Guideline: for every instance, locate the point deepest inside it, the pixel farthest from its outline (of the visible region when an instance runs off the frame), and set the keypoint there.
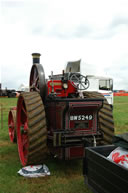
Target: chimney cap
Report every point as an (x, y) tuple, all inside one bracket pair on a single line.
[(36, 55)]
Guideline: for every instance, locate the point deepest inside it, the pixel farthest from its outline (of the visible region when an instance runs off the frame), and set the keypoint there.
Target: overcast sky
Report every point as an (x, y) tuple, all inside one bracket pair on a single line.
[(95, 31)]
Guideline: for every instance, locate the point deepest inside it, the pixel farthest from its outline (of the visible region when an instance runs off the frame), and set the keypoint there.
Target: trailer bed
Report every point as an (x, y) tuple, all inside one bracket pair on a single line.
[(101, 174)]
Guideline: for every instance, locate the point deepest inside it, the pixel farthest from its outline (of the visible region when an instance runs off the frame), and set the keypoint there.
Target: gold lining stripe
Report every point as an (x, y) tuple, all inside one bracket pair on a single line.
[(36, 56), (55, 83)]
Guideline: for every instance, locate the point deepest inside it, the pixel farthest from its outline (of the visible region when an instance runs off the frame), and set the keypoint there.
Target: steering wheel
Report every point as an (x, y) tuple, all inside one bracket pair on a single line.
[(79, 81)]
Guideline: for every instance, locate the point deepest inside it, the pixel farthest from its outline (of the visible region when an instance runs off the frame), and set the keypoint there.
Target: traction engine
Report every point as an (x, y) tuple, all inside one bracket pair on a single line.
[(57, 116)]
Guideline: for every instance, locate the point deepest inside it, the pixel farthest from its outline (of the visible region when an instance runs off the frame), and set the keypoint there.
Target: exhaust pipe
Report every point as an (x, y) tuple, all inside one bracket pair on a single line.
[(36, 58)]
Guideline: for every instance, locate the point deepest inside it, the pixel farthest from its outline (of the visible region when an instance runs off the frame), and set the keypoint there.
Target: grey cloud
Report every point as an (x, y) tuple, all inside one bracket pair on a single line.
[(83, 31), (12, 4), (13, 76), (111, 30), (120, 75), (38, 30), (102, 35), (10, 84), (63, 32), (78, 31), (119, 21), (14, 81)]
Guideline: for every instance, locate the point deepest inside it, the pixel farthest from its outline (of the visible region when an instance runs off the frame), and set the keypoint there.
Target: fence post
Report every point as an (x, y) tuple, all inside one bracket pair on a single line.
[(1, 116)]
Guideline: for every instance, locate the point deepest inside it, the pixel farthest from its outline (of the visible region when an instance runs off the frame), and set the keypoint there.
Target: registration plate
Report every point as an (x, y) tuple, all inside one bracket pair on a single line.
[(81, 117)]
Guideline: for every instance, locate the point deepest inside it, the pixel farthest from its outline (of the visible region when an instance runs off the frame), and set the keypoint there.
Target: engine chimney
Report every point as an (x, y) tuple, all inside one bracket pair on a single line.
[(36, 58)]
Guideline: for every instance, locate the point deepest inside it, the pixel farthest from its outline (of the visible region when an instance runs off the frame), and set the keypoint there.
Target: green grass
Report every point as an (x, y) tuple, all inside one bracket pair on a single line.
[(6, 104), (121, 114), (66, 177)]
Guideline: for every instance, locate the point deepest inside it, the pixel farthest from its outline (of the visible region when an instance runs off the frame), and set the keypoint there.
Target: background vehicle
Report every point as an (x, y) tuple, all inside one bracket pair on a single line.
[(7, 93), (103, 85)]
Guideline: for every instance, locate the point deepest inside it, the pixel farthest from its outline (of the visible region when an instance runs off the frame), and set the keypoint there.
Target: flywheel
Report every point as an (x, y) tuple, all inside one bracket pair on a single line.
[(37, 80), (31, 128), (105, 118)]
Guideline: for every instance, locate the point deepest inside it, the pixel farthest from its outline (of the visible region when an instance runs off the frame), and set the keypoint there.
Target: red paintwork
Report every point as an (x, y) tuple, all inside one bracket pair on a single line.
[(87, 109), (58, 117), (55, 114), (75, 152), (58, 88), (11, 126), (22, 137)]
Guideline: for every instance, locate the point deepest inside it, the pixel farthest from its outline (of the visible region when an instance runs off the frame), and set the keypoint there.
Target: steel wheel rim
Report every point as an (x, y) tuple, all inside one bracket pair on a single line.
[(22, 131)]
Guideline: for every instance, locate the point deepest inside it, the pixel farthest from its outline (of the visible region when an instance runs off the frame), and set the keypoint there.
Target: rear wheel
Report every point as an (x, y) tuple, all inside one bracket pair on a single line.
[(12, 124), (31, 128), (105, 118)]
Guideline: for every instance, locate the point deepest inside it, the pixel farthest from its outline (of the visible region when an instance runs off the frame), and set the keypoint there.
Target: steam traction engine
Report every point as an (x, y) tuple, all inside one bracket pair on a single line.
[(57, 116)]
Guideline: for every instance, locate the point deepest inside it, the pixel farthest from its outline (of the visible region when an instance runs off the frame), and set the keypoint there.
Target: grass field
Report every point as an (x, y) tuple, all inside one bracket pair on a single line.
[(121, 114), (66, 177)]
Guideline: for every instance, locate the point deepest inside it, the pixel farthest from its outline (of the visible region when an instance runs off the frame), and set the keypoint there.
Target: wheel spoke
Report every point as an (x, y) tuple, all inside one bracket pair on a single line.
[(36, 80), (35, 83), (35, 73), (76, 78), (24, 110), (81, 77), (83, 85), (79, 81), (24, 140)]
